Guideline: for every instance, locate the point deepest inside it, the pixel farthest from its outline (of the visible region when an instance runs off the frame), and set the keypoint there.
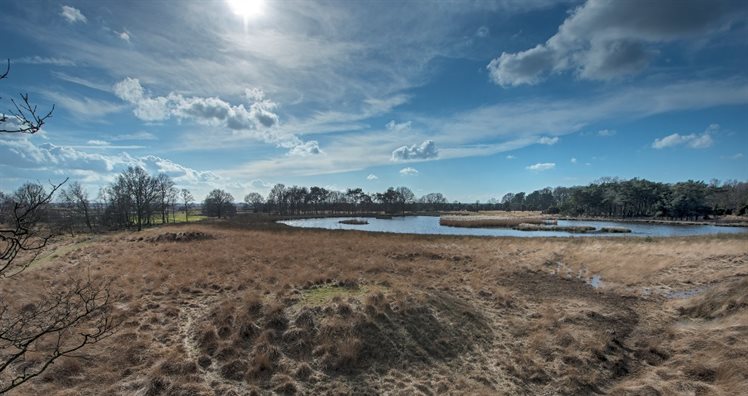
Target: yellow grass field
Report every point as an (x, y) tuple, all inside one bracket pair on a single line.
[(235, 308)]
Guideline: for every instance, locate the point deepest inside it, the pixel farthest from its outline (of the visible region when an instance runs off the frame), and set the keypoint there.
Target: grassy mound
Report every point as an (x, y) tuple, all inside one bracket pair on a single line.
[(719, 302), (331, 330)]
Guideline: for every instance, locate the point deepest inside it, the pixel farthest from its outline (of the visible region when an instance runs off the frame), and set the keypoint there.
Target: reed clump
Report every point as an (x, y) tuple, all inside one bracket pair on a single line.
[(492, 221)]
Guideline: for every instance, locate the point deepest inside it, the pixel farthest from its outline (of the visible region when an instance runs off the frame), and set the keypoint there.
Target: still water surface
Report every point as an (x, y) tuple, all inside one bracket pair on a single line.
[(430, 225)]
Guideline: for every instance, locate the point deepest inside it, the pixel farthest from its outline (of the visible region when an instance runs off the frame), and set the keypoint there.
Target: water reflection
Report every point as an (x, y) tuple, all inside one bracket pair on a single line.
[(430, 225)]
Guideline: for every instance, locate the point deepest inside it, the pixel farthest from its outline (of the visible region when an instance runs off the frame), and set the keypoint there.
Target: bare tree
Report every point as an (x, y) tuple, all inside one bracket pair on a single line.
[(188, 199), (33, 334), (254, 201), (76, 199), (24, 117), (219, 203)]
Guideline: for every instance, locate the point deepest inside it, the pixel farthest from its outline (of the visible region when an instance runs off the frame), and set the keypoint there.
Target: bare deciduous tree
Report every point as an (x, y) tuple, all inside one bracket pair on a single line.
[(76, 199), (33, 334), (24, 117), (188, 199)]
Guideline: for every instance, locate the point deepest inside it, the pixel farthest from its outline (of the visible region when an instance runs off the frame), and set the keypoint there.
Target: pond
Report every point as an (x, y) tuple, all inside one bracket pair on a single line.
[(430, 225)]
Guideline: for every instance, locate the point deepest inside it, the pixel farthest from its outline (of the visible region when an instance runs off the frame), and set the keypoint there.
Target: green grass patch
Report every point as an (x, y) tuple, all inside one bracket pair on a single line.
[(50, 254), (179, 217), (320, 295)]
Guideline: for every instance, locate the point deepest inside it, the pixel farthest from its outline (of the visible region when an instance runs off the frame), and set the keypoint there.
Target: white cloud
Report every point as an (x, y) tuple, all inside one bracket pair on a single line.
[(83, 107), (603, 39), (124, 35), (543, 166), (23, 153), (394, 126), (548, 140), (41, 60), (425, 150), (259, 119), (97, 143), (139, 135), (736, 156), (695, 141), (371, 177), (254, 94), (573, 160), (408, 171), (482, 32), (606, 132), (72, 14), (311, 147), (510, 157)]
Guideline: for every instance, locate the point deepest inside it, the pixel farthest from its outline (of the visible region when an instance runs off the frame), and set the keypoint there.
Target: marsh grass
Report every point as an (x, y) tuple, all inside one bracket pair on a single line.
[(495, 320)]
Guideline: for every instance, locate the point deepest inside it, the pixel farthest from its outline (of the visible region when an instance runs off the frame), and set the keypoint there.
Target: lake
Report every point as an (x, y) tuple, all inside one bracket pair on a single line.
[(430, 225)]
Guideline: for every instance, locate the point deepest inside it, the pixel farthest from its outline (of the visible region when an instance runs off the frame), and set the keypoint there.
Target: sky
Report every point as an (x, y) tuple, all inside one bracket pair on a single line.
[(472, 99)]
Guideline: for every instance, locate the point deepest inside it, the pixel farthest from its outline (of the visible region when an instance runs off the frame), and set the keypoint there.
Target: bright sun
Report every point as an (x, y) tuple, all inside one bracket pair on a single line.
[(247, 8)]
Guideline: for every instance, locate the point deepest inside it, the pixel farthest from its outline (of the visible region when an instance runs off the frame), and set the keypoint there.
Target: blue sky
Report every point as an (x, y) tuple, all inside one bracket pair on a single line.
[(472, 99)]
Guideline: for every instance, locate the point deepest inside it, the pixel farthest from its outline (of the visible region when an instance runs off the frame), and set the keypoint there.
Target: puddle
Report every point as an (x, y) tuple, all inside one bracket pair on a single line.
[(674, 295), (596, 281)]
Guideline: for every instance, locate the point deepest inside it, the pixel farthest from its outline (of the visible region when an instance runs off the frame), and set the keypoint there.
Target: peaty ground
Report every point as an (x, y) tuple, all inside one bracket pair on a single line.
[(234, 309)]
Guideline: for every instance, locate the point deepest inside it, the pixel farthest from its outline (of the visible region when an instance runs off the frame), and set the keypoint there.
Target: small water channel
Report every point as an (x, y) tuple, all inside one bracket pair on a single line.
[(430, 225)]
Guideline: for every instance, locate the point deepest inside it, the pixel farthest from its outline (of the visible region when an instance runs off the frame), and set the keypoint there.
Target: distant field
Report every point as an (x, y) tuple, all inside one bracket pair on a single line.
[(179, 217), (258, 307)]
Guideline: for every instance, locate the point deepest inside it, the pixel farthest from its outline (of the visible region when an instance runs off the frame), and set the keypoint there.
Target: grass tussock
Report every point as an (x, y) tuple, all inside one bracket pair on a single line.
[(492, 221), (544, 227), (354, 221)]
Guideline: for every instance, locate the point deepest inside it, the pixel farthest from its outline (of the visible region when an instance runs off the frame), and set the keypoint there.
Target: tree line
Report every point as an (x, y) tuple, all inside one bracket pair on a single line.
[(136, 199), (610, 197)]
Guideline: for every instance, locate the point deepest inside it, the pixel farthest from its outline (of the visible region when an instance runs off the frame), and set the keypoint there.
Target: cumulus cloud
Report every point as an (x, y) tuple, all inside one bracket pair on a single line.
[(371, 177), (259, 117), (548, 140), (72, 14), (541, 166), (309, 148), (425, 150), (210, 110), (605, 39), (408, 171), (124, 35), (693, 140), (399, 127)]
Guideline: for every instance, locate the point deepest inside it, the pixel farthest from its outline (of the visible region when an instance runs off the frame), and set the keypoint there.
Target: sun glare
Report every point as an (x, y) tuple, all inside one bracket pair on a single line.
[(247, 9)]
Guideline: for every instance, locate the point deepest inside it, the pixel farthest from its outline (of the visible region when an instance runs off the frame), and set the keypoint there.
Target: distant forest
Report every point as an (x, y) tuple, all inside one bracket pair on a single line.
[(607, 197), (136, 199)]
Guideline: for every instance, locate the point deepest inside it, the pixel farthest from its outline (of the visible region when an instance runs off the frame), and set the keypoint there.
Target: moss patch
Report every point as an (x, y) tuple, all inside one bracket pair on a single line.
[(319, 295)]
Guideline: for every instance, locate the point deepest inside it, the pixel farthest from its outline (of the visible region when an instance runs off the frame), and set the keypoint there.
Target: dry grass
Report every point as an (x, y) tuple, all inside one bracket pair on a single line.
[(316, 312)]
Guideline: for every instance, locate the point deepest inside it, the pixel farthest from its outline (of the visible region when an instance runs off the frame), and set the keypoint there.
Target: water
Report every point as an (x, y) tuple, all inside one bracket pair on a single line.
[(430, 225)]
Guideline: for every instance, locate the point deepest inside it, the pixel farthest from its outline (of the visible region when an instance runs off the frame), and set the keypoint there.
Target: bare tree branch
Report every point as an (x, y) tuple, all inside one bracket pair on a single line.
[(25, 117)]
